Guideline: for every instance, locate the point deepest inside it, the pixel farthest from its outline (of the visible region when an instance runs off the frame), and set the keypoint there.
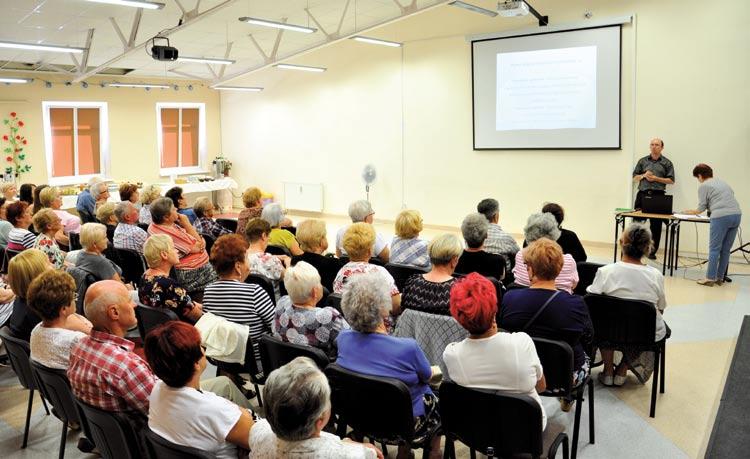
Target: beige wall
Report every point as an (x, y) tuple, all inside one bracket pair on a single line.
[(685, 70), (134, 153)]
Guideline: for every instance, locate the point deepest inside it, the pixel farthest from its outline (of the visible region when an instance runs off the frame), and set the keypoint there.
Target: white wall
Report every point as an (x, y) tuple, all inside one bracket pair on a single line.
[(408, 111)]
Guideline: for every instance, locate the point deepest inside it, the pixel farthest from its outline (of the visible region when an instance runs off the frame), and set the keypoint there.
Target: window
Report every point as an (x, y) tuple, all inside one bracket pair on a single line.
[(181, 136), (77, 141)]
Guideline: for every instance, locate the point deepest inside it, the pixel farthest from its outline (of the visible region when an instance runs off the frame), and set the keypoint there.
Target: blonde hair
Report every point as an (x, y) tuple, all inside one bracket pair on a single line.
[(91, 233), (444, 248), (310, 233), (105, 212), (545, 258), (43, 219), (48, 195), (251, 196), (5, 186), (358, 241), (150, 194), (24, 268), (408, 224), (154, 247)]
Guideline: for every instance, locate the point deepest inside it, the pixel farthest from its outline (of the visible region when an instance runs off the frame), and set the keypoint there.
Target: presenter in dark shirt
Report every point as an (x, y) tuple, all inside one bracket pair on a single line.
[(653, 173)]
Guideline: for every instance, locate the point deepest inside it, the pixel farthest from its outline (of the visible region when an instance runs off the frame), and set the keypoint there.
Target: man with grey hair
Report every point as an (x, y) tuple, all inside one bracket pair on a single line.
[(128, 235), (361, 211), (498, 241), (86, 202), (297, 407), (474, 229)]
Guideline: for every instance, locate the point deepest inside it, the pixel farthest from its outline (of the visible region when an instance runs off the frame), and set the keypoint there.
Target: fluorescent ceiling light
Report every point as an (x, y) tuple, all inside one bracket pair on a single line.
[(137, 85), (305, 68), (474, 8), (278, 25), (206, 60), (377, 41), (238, 88), (36, 47), (15, 80), (133, 3)]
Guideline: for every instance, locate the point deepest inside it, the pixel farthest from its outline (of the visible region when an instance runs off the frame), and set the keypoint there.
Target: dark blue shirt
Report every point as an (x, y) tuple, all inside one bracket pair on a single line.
[(190, 213), (86, 202)]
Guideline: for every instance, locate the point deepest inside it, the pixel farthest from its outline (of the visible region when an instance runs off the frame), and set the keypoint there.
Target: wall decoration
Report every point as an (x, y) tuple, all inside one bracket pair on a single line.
[(14, 146)]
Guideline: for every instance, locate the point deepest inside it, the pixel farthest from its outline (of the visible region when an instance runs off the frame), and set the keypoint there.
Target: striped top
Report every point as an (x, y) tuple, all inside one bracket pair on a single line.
[(411, 252), (20, 239), (246, 304), (566, 280)]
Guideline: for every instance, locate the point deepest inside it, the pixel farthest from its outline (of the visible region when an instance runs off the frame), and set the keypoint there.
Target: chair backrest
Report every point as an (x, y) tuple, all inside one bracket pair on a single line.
[(503, 424), (83, 279), (586, 273), (556, 358), (620, 322), (373, 260), (74, 240), (433, 332), (275, 353), (209, 239), (228, 223), (133, 265), (18, 353), (54, 385), (499, 289), (112, 432), (149, 317), (401, 273), (359, 400), (7, 256), (86, 216), (278, 250), (251, 366), (334, 301), (143, 226), (161, 448), (263, 281)]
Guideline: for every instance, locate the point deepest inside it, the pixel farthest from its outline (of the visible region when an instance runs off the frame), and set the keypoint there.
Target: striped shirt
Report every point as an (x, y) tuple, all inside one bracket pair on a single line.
[(500, 243), (246, 304), (411, 252), (144, 215), (184, 243), (20, 239), (566, 280)]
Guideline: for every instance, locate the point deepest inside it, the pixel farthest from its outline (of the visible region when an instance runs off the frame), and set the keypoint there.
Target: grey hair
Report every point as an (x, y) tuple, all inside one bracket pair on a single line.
[(474, 229), (359, 210), (96, 309), (94, 180), (637, 240), (299, 281), (297, 395), (160, 209), (201, 205), (273, 214), (96, 189), (541, 225), (366, 299), (121, 210), (489, 208)]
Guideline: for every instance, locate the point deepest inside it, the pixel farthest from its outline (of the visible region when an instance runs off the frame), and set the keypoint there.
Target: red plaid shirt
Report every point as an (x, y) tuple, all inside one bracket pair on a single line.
[(106, 373)]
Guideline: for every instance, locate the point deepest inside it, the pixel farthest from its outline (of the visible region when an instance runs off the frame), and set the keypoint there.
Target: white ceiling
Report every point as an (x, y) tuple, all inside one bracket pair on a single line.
[(66, 22)]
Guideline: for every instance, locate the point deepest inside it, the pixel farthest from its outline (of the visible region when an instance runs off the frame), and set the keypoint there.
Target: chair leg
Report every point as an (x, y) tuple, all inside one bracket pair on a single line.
[(577, 423), (654, 384), (385, 448), (28, 419), (257, 393), (426, 448), (448, 450), (44, 403), (472, 453), (663, 364), (62, 439), (566, 447), (591, 411)]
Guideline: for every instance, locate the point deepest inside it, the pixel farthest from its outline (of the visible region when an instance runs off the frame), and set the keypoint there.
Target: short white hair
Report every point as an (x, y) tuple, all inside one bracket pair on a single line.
[(97, 189), (366, 299), (300, 280), (541, 225), (359, 210), (273, 214)]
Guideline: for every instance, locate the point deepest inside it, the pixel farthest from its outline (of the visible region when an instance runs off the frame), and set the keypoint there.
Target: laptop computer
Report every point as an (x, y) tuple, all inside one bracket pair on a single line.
[(657, 204)]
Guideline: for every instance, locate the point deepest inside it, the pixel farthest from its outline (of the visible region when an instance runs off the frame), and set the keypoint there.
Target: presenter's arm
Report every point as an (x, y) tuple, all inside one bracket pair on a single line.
[(664, 180)]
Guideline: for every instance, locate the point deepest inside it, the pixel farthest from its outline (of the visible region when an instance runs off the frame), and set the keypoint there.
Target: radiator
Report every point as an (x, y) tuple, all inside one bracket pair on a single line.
[(303, 196)]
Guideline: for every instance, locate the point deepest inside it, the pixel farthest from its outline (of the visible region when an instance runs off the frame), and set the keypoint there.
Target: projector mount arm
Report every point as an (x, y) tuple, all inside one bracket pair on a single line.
[(543, 20)]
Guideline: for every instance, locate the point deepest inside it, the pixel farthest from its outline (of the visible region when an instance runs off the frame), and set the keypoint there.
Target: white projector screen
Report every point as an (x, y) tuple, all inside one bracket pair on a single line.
[(554, 90)]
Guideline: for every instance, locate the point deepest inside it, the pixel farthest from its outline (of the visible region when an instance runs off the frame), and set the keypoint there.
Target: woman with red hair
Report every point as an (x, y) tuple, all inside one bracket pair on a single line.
[(489, 359)]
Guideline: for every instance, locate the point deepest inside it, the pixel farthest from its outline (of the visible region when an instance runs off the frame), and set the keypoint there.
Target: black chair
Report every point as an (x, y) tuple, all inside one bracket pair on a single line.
[(353, 397), (113, 432), (291, 229), (83, 279), (209, 239), (557, 360), (401, 273), (514, 286), (623, 323), (161, 448), (18, 352), (235, 370), (7, 256), (586, 274), (133, 265), (507, 425), (499, 290), (373, 260), (86, 216), (55, 387), (263, 281), (149, 318), (275, 353), (143, 226), (74, 240), (278, 250), (228, 223), (334, 301)]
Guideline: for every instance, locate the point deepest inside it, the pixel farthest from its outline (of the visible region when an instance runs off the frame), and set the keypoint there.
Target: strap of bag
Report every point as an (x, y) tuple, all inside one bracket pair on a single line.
[(540, 310)]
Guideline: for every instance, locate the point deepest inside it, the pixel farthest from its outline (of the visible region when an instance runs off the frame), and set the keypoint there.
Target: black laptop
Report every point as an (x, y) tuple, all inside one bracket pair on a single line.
[(657, 204)]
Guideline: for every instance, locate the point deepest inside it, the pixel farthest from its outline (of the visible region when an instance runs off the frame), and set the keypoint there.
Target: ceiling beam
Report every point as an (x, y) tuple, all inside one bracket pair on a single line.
[(134, 27), (226, 56), (187, 75), (85, 58), (119, 33)]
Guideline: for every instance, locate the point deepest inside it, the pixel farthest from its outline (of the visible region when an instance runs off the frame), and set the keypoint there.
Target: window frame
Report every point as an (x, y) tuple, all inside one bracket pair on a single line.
[(202, 141), (104, 157)]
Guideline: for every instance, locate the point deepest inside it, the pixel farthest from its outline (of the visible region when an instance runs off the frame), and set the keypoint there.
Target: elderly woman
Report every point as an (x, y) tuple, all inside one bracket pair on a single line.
[(150, 194), (298, 407), (488, 358), (368, 349), (193, 271), (20, 238), (474, 259), (179, 201), (544, 226), (179, 410), (157, 289), (8, 191), (37, 205), (271, 267), (546, 312), (48, 224), (716, 197), (406, 247), (52, 297), (313, 241), (568, 240), (26, 193), (298, 320), (430, 292), (631, 279), (253, 208), (52, 198), (91, 259), (5, 225), (205, 223), (105, 214), (129, 192), (361, 211), (274, 215)]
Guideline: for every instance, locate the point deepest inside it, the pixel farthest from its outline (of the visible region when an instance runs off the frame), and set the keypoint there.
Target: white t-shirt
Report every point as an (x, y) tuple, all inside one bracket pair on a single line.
[(505, 362), (633, 282), (265, 445), (189, 417), (51, 346), (380, 242)]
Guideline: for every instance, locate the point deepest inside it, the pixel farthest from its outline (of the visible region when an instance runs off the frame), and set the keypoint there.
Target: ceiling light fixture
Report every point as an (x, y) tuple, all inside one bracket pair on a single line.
[(133, 3), (206, 60), (474, 8), (137, 85), (377, 41), (304, 68), (37, 47), (15, 80), (238, 88), (277, 25)]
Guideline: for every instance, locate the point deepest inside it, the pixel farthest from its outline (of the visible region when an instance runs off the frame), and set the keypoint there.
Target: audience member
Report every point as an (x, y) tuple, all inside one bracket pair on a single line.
[(298, 320), (179, 201), (20, 238), (86, 201), (271, 267), (498, 241), (5, 225), (313, 241), (91, 259), (105, 214), (406, 247), (51, 197), (37, 205), (430, 292), (26, 193), (274, 215), (100, 193), (361, 212), (205, 223), (544, 226), (128, 235), (48, 224), (631, 279), (474, 258), (488, 359), (568, 240), (253, 208), (298, 407), (150, 194), (129, 192), (8, 191)]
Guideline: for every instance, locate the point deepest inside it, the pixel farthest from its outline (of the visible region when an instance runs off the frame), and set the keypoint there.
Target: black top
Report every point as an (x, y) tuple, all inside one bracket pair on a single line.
[(426, 296), (484, 263), (22, 320), (570, 243), (327, 267), (661, 167)]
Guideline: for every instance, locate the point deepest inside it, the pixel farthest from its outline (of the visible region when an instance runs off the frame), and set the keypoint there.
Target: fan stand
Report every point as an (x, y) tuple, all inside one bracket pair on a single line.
[(367, 190)]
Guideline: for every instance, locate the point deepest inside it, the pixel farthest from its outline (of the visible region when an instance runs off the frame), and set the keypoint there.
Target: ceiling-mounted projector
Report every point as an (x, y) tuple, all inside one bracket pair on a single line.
[(512, 8), (161, 52)]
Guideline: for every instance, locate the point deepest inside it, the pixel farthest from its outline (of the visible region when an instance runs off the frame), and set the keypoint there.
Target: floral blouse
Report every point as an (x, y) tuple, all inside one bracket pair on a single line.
[(360, 267), (317, 327), (165, 292), (50, 248), (268, 266)]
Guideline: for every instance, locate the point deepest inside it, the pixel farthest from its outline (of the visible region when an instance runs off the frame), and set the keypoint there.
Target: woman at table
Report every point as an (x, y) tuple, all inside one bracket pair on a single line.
[(716, 197)]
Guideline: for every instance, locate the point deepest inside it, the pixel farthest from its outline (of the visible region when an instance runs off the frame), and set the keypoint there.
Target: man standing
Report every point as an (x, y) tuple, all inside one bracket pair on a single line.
[(653, 173)]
